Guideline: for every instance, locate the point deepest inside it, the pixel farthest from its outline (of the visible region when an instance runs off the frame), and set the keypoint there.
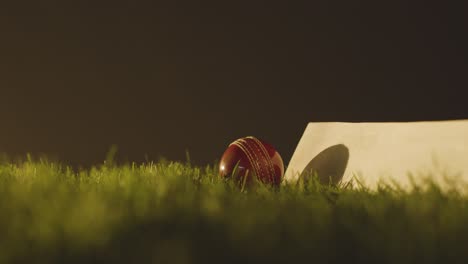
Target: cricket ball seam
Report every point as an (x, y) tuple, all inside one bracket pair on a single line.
[(255, 157), (267, 156), (258, 159), (246, 152)]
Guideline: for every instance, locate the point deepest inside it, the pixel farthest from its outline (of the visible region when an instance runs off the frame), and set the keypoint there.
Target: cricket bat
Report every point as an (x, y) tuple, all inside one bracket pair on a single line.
[(402, 153)]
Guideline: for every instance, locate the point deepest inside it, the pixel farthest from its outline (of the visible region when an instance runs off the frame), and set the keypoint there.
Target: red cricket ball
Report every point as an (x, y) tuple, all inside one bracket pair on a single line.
[(250, 156)]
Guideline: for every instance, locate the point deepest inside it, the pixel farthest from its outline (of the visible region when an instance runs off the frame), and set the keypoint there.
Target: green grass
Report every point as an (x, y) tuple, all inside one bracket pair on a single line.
[(169, 212)]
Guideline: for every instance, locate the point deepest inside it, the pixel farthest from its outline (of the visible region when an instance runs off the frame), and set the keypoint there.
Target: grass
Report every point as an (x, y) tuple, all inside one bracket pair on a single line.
[(170, 212)]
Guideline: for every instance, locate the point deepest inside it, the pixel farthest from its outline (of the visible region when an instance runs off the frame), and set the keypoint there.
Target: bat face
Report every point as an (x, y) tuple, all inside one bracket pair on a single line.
[(329, 165), (382, 151)]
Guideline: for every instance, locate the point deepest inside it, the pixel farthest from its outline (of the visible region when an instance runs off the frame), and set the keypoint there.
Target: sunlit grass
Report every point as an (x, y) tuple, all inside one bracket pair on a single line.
[(170, 212)]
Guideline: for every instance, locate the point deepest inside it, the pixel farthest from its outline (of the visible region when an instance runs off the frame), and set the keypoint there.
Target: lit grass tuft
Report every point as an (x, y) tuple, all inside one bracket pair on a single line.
[(170, 212)]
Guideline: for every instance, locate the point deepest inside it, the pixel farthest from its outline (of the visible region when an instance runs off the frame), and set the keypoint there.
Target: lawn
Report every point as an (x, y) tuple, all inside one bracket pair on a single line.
[(171, 212)]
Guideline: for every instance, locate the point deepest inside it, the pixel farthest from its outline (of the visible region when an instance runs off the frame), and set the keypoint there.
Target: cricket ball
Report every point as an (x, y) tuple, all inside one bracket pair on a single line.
[(248, 158)]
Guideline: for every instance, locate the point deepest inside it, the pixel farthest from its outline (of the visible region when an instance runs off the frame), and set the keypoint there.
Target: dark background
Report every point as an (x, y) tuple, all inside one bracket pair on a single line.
[(159, 78)]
